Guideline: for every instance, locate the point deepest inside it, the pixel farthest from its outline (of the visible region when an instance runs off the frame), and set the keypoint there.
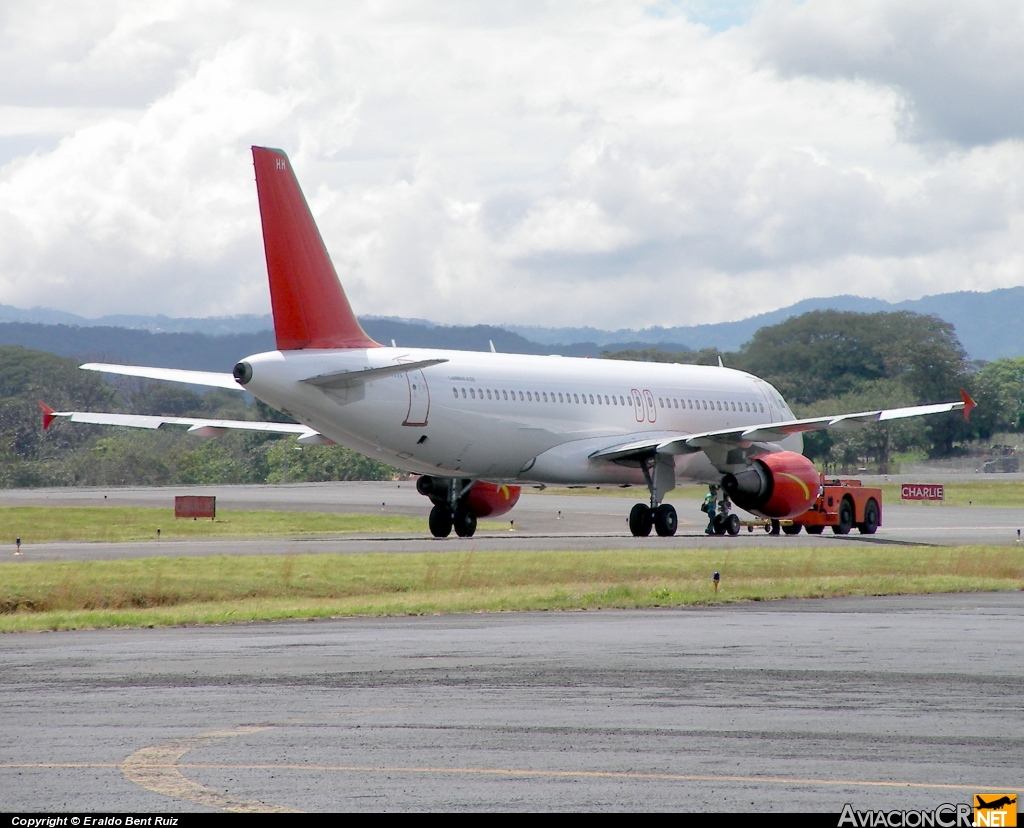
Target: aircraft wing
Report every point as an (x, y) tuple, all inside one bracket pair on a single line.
[(169, 374), (196, 425), (765, 436)]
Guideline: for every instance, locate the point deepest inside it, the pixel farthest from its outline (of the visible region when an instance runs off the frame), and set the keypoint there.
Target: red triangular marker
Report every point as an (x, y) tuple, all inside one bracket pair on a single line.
[(48, 415), (969, 404)]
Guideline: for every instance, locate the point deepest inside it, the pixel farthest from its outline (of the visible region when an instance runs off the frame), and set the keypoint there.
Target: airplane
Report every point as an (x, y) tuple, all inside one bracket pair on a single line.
[(995, 804), (478, 426)]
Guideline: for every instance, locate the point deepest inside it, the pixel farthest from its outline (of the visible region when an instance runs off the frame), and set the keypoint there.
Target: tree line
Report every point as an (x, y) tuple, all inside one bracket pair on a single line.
[(84, 455)]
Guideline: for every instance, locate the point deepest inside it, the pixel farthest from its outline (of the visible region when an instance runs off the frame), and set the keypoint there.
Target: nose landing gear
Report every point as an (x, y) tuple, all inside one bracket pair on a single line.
[(721, 520)]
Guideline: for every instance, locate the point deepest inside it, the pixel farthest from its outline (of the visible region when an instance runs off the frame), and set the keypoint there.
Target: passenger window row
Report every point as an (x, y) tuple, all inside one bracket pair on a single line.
[(537, 396), (664, 402), (714, 405)]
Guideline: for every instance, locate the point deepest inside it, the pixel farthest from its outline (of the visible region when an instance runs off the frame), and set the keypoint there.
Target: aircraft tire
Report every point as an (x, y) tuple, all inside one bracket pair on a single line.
[(815, 530), (720, 524), (732, 525), (641, 520), (465, 522), (666, 521), (792, 529), (773, 528), (440, 522)]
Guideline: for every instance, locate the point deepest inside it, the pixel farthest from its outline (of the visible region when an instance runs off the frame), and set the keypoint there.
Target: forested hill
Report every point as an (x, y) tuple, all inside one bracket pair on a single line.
[(197, 352), (202, 352)]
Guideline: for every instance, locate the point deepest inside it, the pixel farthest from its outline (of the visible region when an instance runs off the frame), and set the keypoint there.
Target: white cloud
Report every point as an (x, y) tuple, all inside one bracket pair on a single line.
[(591, 164), (959, 65)]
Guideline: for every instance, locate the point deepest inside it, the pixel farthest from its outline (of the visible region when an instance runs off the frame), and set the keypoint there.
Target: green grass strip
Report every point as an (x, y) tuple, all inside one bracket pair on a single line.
[(168, 591), (1009, 493)]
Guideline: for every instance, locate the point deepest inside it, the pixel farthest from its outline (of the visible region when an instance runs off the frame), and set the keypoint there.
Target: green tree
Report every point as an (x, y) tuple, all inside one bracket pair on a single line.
[(826, 354), (873, 444), (999, 391), (706, 356)]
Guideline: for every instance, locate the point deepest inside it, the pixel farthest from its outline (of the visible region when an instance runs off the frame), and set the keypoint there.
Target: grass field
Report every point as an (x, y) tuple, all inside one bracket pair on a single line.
[(1009, 494), (38, 524), (213, 590)]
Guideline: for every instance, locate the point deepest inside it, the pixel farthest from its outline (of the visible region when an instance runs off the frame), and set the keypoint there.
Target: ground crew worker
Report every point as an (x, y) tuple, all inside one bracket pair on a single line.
[(709, 507)]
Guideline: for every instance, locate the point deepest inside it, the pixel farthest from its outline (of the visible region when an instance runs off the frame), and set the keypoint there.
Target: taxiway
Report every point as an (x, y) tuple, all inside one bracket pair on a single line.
[(890, 703)]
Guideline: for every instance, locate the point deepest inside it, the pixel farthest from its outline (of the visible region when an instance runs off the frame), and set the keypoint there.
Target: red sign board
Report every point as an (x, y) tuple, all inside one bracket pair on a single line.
[(922, 491), (192, 506)]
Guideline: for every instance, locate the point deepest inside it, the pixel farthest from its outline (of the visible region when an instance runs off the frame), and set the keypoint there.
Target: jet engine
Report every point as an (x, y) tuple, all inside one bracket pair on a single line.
[(491, 499), (485, 499), (781, 485)]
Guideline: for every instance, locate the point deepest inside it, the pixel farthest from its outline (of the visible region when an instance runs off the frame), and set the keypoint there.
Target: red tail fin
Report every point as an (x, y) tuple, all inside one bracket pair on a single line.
[(310, 307)]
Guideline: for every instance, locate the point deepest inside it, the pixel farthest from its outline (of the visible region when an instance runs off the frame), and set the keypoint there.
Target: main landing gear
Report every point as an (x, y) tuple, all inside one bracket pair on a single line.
[(662, 517), (450, 508)]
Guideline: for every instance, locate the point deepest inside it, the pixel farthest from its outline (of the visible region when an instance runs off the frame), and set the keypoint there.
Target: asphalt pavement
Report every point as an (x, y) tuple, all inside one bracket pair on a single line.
[(884, 703), (540, 521)]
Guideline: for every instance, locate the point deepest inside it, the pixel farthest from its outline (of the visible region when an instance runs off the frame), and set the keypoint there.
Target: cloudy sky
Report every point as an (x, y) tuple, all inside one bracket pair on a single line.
[(609, 164)]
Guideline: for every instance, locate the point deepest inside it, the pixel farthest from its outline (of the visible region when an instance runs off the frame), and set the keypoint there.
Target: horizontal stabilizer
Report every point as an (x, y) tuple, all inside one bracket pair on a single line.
[(209, 378), (347, 379)]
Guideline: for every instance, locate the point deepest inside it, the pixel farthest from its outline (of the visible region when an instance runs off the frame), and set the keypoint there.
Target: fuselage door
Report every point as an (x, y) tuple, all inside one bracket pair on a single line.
[(638, 406), (419, 399), (652, 412), (769, 401)]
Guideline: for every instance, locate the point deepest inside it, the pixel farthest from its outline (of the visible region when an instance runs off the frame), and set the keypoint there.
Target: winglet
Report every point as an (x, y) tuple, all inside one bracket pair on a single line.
[(48, 415), (969, 404)]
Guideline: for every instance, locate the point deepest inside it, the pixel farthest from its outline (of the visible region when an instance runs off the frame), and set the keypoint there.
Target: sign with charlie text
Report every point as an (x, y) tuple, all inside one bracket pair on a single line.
[(193, 506), (922, 491)]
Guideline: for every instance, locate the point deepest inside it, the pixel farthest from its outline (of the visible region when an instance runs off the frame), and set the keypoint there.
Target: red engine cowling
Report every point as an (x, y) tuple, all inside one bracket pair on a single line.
[(781, 485), (492, 500)]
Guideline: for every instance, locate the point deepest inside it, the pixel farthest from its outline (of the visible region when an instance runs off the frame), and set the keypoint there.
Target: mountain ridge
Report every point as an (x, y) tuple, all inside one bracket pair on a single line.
[(988, 324)]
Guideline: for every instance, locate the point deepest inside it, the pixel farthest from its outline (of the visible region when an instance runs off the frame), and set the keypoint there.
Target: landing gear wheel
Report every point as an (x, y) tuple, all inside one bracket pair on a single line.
[(845, 518), (666, 521), (732, 525), (772, 527), (792, 529), (640, 520), (440, 522), (870, 524), (720, 524), (465, 522), (815, 530)]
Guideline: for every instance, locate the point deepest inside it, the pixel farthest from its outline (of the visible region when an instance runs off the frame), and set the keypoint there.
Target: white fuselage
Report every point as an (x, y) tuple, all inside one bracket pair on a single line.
[(511, 417)]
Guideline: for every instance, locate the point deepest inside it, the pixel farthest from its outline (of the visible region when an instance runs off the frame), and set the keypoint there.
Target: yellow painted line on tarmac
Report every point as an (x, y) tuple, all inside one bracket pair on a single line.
[(156, 768), (671, 777), (515, 772)]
